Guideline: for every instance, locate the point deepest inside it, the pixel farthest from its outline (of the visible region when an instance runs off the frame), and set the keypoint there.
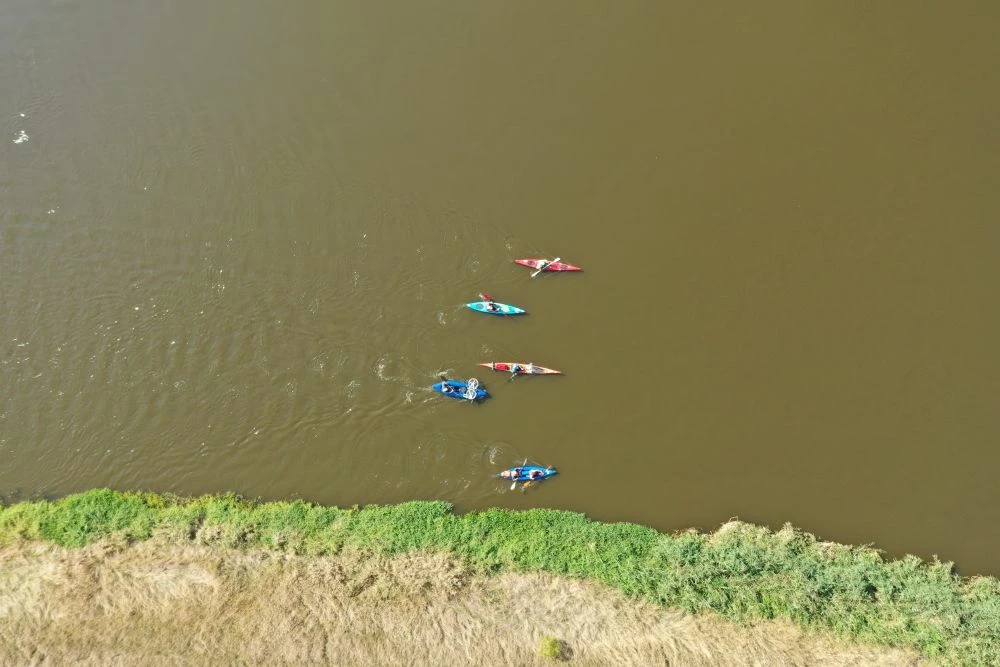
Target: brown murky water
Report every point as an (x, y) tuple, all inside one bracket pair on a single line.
[(236, 237)]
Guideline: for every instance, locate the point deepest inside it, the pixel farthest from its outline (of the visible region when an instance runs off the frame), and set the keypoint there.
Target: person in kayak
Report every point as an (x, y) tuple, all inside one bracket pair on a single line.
[(535, 474), (515, 369), (513, 473), (447, 388), (490, 306)]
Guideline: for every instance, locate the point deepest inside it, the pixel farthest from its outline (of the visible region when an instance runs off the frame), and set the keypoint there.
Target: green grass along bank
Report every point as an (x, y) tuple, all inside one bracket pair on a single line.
[(741, 572)]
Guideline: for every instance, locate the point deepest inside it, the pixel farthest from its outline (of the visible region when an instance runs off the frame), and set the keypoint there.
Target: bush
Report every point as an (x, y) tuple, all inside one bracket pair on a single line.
[(556, 649), (549, 647)]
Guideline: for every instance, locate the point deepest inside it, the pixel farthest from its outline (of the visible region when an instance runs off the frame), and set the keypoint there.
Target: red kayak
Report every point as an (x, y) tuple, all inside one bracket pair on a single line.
[(552, 266), (522, 368)]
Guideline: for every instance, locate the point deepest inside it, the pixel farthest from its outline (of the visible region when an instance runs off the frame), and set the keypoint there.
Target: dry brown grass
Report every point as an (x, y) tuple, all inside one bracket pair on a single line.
[(160, 603)]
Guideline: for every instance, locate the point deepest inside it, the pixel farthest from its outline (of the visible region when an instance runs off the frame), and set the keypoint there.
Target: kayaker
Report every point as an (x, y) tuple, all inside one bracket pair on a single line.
[(535, 474), (515, 369), (446, 388), (530, 369), (490, 306)]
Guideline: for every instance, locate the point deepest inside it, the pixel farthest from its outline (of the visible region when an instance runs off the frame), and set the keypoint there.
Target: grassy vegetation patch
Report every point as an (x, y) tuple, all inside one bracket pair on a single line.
[(741, 572)]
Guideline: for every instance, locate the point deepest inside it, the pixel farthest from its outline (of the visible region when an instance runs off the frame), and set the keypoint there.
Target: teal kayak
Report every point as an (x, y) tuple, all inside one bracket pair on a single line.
[(498, 308)]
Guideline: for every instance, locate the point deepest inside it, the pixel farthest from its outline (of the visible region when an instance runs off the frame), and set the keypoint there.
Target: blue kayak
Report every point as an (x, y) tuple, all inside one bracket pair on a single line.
[(523, 473), (458, 390), (501, 308)]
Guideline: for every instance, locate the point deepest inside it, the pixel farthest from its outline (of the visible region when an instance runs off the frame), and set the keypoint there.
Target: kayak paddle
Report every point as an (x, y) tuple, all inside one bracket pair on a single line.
[(544, 266)]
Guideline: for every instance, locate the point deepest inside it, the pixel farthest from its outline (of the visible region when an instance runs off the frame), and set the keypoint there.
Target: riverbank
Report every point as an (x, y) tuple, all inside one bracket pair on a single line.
[(130, 575)]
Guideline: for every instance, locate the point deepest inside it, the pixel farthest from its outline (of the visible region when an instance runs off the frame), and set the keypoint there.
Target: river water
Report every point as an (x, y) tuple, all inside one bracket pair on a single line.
[(236, 237)]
